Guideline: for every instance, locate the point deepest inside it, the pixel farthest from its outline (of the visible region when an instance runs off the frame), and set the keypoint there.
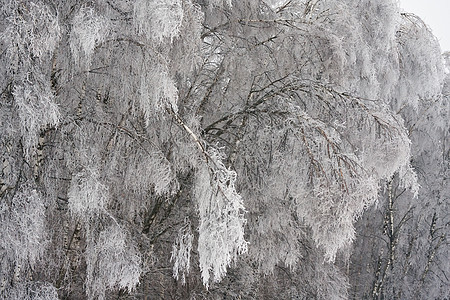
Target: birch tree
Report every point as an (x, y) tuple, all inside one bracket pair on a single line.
[(402, 246), (188, 149)]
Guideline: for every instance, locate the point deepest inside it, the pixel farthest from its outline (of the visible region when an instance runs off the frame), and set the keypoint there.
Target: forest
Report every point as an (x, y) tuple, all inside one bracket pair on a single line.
[(222, 149)]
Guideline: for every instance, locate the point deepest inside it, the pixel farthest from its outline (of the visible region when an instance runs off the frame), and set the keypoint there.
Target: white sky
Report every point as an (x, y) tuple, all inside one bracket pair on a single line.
[(436, 14)]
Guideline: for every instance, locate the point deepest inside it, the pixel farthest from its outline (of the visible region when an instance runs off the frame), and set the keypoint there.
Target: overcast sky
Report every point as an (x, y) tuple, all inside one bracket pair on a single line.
[(436, 14)]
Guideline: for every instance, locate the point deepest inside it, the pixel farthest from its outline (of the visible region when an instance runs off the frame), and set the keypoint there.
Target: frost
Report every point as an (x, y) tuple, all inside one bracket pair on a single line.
[(158, 19), (158, 92), (303, 103), (31, 36), (88, 30), (181, 252), (87, 195), (408, 179), (37, 110), (23, 227), (271, 236), (388, 148), (420, 78), (332, 211), (32, 291), (37, 31), (151, 170), (111, 263), (221, 212)]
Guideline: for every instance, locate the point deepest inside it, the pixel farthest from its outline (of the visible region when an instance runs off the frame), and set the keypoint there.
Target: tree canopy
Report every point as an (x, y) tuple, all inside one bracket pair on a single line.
[(222, 149)]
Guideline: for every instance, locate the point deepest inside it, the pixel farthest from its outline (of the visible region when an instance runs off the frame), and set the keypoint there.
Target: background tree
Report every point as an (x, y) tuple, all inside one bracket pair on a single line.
[(229, 144), (402, 246)]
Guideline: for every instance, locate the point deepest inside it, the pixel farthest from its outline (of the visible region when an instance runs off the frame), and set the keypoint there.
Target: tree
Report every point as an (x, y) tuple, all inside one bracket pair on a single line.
[(216, 142), (402, 246)]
